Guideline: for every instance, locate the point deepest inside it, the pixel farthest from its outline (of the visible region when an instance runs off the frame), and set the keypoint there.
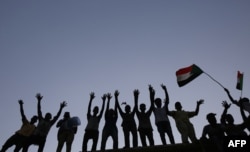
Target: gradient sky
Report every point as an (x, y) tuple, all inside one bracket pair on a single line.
[(67, 49)]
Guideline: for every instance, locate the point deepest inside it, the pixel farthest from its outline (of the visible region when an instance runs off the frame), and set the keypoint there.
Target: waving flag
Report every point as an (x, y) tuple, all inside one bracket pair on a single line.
[(239, 84), (187, 74)]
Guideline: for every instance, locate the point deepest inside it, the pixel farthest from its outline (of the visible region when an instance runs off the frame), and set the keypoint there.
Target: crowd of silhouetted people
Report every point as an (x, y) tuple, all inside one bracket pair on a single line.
[(214, 132)]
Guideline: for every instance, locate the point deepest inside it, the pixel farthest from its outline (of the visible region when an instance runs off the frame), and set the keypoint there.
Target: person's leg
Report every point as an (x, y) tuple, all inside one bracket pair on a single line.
[(169, 132), (61, 140), (150, 138), (143, 137), (135, 138), (95, 140), (191, 134), (86, 138), (126, 137), (161, 132), (41, 144), (69, 141), (10, 142), (105, 135), (115, 138)]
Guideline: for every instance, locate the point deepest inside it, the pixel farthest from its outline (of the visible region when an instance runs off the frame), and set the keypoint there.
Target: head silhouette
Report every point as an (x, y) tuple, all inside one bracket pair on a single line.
[(33, 119), (127, 108), (142, 107), (158, 102), (211, 118), (229, 119), (66, 115), (178, 106), (48, 116), (95, 110)]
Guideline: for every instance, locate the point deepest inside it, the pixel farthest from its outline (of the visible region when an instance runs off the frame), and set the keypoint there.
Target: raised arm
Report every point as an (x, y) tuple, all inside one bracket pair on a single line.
[(39, 111), (103, 104), (62, 105), (21, 110), (107, 107), (223, 116), (116, 94), (166, 93), (136, 96), (151, 96), (201, 101), (243, 115), (92, 96), (230, 97)]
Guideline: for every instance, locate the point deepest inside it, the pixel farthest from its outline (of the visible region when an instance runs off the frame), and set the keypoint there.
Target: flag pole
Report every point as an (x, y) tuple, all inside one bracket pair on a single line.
[(241, 86), (214, 80)]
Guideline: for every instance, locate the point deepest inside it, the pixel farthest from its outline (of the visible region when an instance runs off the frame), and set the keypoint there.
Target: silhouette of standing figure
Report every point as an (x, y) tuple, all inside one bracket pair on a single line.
[(65, 133), (91, 130), (22, 134), (183, 124), (145, 128), (214, 131), (110, 128), (45, 123), (161, 118), (128, 123), (227, 121)]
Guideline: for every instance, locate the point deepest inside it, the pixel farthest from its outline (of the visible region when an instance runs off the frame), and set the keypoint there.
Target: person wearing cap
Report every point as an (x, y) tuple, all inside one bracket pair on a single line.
[(23, 133), (65, 133), (214, 131)]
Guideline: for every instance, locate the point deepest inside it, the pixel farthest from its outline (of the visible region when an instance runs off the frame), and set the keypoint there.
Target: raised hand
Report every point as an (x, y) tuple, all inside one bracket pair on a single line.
[(63, 104), (136, 92), (39, 96), (163, 87), (20, 102), (92, 95), (201, 101), (150, 88), (109, 96), (104, 97), (225, 104), (116, 93)]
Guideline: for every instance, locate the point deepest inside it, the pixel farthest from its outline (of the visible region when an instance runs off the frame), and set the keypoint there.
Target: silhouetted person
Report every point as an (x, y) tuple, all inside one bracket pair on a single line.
[(243, 103), (214, 131), (110, 128), (183, 124), (161, 118), (128, 123), (22, 134), (45, 123), (91, 130), (145, 128), (65, 133), (227, 121)]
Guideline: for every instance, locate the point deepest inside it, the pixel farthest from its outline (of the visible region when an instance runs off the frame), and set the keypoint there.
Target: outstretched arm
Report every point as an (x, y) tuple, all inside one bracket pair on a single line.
[(166, 93), (136, 96), (21, 110), (230, 97), (62, 105), (116, 94), (223, 116), (92, 96), (151, 96), (201, 101), (39, 111), (103, 104), (107, 108)]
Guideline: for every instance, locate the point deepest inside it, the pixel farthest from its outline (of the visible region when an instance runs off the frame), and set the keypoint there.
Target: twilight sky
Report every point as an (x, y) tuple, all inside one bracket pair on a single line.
[(67, 49)]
